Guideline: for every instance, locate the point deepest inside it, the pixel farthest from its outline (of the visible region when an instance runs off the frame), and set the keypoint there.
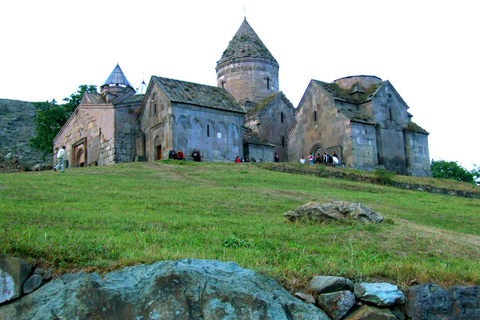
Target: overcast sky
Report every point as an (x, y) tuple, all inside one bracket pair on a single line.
[(428, 50)]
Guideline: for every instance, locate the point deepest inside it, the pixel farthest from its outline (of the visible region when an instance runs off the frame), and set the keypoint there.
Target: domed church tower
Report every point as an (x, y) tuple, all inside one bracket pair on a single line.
[(247, 69), (116, 85)]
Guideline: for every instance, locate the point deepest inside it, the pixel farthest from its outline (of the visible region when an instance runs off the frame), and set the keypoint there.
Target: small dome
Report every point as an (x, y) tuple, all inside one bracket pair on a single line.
[(117, 78)]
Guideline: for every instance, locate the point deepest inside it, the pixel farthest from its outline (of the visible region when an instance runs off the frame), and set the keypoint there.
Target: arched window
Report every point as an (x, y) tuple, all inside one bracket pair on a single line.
[(315, 116)]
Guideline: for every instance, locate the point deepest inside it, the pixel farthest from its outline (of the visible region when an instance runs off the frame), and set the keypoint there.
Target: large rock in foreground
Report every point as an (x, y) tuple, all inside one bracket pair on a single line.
[(338, 210), (185, 289), (13, 273)]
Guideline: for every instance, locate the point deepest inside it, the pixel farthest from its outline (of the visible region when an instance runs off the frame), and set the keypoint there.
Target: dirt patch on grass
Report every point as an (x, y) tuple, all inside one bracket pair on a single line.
[(427, 240)]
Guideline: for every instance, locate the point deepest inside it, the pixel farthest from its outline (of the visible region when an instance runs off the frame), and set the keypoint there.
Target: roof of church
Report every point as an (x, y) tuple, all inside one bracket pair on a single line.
[(95, 98), (198, 94), (246, 44), (413, 127), (268, 101), (356, 94), (117, 78)]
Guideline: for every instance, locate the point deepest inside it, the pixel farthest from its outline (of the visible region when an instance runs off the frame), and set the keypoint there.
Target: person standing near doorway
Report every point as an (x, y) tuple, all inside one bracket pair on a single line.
[(60, 160)]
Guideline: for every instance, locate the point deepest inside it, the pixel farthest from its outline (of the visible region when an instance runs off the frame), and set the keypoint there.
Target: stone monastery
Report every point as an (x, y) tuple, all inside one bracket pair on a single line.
[(362, 118)]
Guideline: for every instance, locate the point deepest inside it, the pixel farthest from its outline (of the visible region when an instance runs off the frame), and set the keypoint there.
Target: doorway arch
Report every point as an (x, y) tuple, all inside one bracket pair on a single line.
[(158, 148), (317, 149)]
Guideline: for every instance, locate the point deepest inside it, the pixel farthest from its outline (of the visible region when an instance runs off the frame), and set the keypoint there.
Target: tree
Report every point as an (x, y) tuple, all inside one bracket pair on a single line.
[(51, 117), (451, 170), (73, 101), (48, 120)]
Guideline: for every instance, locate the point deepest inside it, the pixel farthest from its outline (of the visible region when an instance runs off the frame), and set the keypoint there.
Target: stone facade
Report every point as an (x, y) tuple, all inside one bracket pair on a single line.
[(361, 118), (272, 120), (183, 115), (365, 121), (101, 130)]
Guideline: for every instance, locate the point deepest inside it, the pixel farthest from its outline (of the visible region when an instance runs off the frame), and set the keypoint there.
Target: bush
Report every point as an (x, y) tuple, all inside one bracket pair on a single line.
[(384, 177), (451, 170)]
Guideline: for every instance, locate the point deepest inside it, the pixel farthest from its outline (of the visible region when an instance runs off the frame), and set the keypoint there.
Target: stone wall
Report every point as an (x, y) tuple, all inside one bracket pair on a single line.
[(252, 79), (126, 125), (215, 133), (272, 123), (390, 114), (261, 152), (339, 174), (208, 289), (94, 124), (10, 164), (418, 158), (156, 124)]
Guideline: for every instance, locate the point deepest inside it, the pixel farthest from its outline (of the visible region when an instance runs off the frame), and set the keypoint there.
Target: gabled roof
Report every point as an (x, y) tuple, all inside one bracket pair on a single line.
[(198, 94), (413, 127), (268, 101), (351, 108), (356, 94), (354, 113), (93, 98), (246, 44), (117, 78)]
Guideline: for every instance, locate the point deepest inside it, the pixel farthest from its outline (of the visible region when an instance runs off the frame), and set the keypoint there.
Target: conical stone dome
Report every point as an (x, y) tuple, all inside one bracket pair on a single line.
[(245, 44), (247, 69)]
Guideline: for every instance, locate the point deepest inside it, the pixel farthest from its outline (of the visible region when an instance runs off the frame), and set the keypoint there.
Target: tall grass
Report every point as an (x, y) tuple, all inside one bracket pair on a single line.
[(107, 217)]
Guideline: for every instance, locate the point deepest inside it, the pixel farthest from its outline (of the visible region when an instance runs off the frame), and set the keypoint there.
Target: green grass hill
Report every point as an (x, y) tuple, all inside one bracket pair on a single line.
[(103, 218)]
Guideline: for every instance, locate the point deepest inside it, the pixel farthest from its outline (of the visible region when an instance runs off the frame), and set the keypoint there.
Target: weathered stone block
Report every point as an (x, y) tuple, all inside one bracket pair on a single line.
[(13, 273)]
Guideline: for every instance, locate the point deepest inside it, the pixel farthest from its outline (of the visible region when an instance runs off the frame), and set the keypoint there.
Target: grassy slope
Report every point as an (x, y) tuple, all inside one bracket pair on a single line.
[(106, 217)]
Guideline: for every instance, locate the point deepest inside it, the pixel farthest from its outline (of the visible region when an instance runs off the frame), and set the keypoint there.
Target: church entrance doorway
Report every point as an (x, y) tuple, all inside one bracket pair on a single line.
[(79, 156), (159, 152), (317, 149)]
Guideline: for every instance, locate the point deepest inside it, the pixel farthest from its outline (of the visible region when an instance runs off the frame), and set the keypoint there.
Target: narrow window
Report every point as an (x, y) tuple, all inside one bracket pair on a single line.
[(223, 84), (281, 117), (390, 113), (268, 83), (208, 130), (283, 142), (315, 116)]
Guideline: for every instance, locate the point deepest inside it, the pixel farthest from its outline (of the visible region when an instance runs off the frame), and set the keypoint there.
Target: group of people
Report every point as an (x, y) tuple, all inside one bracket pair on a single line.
[(181, 156), (325, 159), (242, 159)]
